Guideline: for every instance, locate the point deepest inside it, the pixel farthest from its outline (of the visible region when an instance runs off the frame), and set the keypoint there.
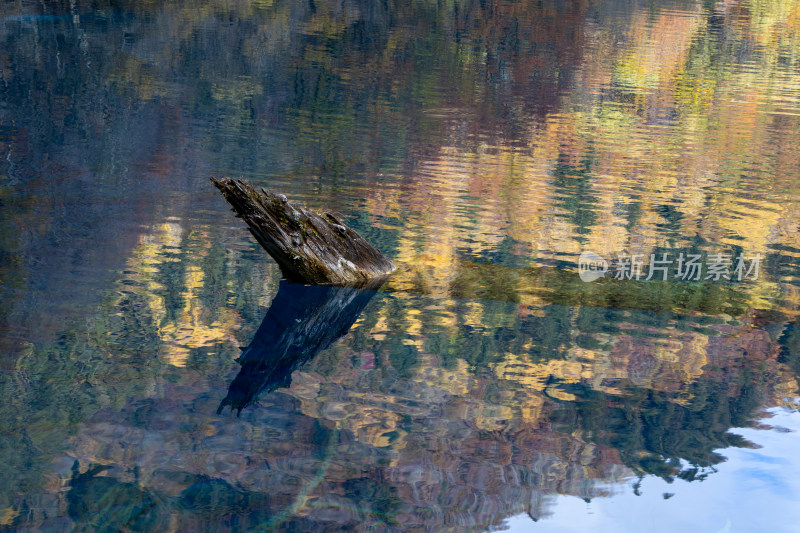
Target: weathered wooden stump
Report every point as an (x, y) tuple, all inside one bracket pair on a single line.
[(311, 248)]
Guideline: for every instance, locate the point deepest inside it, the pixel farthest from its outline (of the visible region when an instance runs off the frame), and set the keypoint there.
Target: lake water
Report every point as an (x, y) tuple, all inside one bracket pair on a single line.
[(157, 375)]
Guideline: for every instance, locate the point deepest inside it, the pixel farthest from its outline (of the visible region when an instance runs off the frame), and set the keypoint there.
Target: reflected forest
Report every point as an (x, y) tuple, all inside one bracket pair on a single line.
[(159, 373)]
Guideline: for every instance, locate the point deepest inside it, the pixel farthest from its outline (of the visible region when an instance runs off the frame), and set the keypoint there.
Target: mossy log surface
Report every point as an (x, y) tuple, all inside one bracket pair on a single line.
[(311, 248)]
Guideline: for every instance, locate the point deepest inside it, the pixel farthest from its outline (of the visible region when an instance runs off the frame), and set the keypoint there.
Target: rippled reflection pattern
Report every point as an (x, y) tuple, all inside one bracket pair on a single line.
[(483, 146)]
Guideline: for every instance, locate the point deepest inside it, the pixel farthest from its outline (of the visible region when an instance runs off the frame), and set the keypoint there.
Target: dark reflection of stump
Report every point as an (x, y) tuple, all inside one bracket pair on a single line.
[(302, 321)]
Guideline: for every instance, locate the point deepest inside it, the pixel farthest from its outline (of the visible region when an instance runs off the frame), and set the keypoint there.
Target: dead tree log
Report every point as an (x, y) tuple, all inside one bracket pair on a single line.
[(311, 248)]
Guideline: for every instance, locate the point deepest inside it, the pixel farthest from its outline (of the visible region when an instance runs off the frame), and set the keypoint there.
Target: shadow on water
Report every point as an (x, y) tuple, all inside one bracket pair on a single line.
[(302, 321)]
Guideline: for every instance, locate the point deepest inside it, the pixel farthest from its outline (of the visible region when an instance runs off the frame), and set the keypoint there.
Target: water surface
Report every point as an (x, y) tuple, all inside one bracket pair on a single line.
[(157, 374)]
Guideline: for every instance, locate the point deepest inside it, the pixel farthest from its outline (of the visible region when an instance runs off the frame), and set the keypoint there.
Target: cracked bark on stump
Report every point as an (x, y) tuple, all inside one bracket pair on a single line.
[(312, 248)]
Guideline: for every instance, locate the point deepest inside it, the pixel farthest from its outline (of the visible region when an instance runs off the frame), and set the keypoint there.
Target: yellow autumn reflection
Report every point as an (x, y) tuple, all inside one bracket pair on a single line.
[(191, 324), (655, 146), (483, 146)]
